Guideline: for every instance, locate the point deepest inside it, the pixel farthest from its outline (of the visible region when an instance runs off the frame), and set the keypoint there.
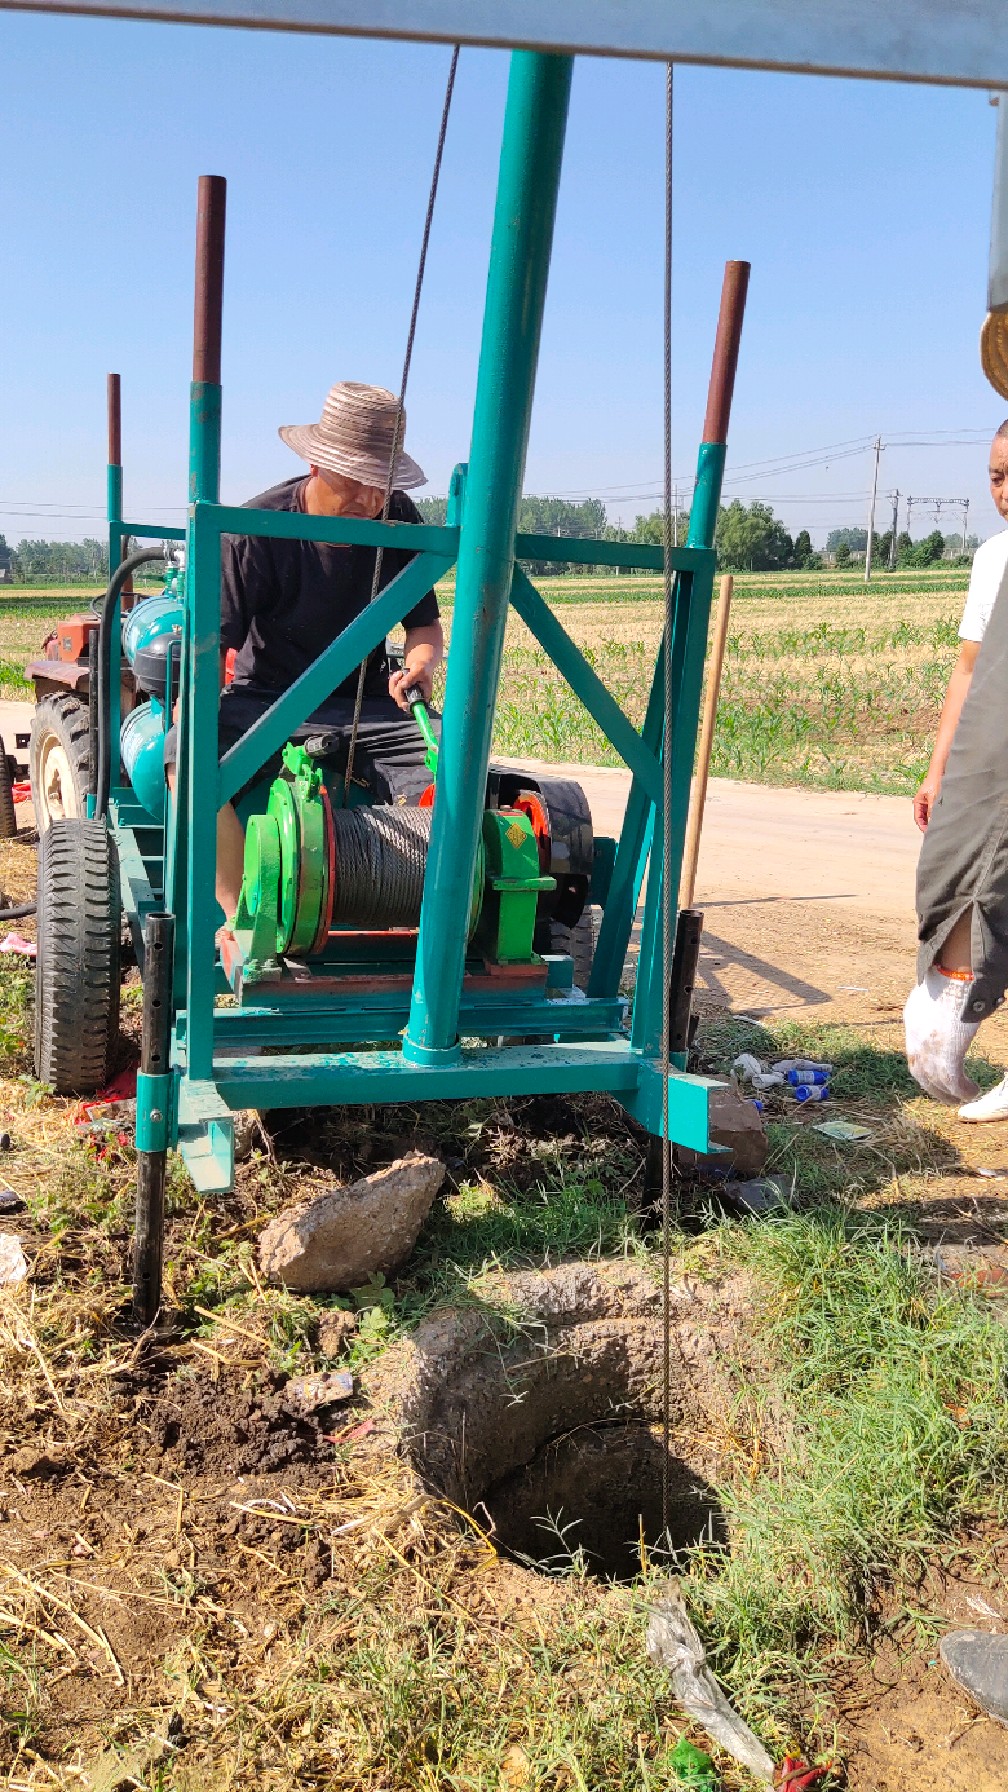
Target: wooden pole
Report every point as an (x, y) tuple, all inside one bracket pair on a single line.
[(698, 795)]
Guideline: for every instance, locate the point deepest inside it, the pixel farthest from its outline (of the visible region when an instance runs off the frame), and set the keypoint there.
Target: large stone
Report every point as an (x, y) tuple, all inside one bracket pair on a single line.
[(342, 1238), (737, 1126)]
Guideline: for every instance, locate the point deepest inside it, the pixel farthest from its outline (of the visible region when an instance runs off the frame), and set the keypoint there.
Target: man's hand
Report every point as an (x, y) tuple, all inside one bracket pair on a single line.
[(925, 800), (422, 654), (420, 678)]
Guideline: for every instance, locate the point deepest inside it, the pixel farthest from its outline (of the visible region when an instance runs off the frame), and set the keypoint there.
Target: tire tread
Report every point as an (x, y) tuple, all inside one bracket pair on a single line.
[(77, 967)]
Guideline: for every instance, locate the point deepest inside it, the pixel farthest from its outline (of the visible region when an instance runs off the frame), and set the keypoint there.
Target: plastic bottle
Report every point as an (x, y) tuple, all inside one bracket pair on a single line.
[(807, 1078), (812, 1092)]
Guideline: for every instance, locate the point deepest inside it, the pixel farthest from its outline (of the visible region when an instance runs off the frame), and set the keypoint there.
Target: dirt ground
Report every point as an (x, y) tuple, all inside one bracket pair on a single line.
[(808, 903)]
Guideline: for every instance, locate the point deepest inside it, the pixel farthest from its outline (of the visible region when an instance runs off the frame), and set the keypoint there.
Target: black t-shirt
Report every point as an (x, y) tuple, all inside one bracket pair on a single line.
[(283, 602)]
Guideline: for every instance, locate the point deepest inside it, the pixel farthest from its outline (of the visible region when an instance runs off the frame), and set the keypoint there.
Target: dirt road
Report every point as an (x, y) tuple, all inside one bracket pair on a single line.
[(808, 896)]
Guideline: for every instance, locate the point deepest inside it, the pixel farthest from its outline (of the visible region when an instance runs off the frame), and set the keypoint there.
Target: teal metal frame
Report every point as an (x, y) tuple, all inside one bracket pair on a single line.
[(431, 1032)]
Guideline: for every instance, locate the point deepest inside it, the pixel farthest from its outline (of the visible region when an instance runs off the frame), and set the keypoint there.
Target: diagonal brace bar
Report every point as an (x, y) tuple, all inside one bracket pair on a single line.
[(340, 658), (585, 683)]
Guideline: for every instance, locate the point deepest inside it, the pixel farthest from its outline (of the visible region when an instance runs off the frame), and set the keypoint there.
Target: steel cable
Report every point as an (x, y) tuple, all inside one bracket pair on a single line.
[(400, 411), (381, 857)]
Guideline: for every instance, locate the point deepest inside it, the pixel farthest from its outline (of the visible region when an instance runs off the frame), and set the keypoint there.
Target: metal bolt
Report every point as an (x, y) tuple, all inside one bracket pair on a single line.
[(978, 1007), (156, 1116)]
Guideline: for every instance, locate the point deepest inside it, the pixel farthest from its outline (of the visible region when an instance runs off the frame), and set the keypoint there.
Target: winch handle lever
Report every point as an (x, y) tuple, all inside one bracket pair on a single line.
[(418, 704)]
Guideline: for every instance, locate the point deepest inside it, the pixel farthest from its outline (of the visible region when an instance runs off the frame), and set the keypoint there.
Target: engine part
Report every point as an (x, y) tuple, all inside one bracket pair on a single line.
[(141, 744)]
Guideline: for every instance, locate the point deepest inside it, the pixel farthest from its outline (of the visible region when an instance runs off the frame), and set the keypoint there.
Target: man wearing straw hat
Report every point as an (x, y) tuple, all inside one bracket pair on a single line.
[(283, 602)]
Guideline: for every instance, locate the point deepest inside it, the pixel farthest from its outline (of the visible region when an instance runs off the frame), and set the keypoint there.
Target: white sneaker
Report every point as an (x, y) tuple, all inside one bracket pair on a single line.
[(992, 1106)]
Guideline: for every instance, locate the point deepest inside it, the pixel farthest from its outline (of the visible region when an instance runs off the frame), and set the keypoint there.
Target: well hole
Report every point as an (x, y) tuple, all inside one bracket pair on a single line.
[(597, 1490)]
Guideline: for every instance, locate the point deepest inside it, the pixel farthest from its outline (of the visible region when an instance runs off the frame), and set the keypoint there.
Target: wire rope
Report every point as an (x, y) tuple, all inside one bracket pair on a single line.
[(401, 409)]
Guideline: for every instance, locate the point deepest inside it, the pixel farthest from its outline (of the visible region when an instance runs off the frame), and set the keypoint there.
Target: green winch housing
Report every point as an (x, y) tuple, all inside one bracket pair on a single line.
[(312, 869)]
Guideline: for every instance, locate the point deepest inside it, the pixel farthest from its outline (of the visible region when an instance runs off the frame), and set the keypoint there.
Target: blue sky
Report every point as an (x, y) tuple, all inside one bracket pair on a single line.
[(863, 207)]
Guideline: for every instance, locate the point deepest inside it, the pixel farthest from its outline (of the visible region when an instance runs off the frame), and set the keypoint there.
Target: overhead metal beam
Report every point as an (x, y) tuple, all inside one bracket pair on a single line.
[(960, 44)]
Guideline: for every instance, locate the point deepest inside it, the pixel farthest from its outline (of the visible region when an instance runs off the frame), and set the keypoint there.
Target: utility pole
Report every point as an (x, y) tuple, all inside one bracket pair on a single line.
[(965, 521), (909, 509), (895, 520), (871, 512)]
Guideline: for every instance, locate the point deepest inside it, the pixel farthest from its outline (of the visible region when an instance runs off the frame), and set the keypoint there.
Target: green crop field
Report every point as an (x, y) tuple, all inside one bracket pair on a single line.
[(826, 683)]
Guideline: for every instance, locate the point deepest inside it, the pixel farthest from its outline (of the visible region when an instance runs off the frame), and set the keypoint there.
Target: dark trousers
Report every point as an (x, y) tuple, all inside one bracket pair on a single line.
[(389, 756)]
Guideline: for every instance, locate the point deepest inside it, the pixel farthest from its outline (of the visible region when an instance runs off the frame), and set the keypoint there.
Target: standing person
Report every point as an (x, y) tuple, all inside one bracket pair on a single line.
[(283, 602), (962, 810)]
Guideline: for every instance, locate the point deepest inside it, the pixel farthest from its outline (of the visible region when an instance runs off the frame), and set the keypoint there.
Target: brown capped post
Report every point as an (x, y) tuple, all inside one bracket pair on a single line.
[(114, 421), (726, 351), (210, 209)]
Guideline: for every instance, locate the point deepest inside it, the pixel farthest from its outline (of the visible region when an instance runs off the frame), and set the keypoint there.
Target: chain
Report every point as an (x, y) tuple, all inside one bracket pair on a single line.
[(666, 961), (401, 409)]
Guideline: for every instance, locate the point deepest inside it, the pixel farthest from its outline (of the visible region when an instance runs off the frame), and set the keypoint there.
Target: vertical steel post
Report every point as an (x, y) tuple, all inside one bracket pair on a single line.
[(531, 157), (114, 503), (689, 641), (153, 1086), (196, 822)]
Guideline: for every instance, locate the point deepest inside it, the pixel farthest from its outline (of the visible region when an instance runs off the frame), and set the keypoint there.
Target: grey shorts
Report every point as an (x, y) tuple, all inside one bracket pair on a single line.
[(389, 758)]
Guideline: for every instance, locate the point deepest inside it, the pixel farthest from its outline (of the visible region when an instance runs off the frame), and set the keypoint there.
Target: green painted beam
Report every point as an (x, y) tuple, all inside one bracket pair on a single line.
[(338, 661), (348, 531), (585, 683), (585, 550)]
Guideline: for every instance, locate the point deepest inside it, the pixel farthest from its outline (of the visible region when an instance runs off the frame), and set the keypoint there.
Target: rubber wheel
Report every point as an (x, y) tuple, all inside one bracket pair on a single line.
[(60, 759), (77, 963), (8, 817), (579, 941)]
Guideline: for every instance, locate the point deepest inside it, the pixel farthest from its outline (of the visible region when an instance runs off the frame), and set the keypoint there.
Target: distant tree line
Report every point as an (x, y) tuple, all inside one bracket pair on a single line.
[(62, 561)]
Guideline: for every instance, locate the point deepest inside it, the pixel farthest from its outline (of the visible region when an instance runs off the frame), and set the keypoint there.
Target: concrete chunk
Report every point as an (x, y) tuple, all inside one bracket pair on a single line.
[(345, 1236)]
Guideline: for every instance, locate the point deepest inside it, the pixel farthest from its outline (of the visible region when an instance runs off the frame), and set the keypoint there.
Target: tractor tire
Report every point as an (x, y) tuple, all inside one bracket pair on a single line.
[(8, 814), (579, 941), (60, 759), (77, 962)]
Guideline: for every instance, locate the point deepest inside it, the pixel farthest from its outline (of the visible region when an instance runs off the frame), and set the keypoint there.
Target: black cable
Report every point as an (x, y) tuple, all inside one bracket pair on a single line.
[(18, 913), (103, 780)]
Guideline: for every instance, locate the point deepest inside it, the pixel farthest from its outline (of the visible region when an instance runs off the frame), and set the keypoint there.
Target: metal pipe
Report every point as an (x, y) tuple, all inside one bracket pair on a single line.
[(726, 351), (205, 395), (192, 819), (114, 512), (114, 401), (211, 202), (155, 1046), (531, 158)]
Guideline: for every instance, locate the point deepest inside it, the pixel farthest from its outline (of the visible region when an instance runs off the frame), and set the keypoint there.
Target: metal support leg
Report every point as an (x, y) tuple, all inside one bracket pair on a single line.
[(153, 1094), (531, 157)]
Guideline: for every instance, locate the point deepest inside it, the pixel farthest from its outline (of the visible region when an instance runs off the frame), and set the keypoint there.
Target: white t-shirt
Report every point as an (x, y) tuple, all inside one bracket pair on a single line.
[(989, 565)]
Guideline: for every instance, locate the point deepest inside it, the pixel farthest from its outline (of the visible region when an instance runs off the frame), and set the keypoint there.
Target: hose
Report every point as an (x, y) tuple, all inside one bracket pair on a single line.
[(18, 913), (103, 781)]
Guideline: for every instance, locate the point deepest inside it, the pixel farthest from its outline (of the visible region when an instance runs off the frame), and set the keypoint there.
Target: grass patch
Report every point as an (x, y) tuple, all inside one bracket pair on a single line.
[(892, 1393)]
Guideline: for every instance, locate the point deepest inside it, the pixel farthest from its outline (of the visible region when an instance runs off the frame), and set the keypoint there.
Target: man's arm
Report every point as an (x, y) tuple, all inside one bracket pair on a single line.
[(958, 690), (422, 655)]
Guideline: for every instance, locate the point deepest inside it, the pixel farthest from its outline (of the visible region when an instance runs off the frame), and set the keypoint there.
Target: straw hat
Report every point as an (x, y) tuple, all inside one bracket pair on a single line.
[(354, 436)]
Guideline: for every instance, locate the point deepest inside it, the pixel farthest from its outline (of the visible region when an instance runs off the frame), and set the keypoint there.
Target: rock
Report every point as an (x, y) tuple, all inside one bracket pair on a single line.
[(978, 1662), (306, 1394), (335, 1332), (13, 1263), (764, 1194), (343, 1238), (736, 1125)]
